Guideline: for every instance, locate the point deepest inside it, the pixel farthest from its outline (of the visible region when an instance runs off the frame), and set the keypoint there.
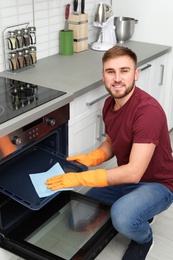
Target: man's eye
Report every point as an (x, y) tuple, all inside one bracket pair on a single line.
[(124, 71)]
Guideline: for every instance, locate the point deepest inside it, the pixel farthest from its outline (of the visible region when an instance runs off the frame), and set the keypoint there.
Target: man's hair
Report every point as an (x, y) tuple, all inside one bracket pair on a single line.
[(118, 51)]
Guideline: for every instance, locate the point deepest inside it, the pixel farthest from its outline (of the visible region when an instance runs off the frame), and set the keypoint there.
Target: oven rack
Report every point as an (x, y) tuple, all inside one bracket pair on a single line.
[(14, 175)]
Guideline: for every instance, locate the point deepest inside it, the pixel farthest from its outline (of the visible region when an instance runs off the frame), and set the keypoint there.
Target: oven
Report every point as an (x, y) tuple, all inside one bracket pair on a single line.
[(63, 225)]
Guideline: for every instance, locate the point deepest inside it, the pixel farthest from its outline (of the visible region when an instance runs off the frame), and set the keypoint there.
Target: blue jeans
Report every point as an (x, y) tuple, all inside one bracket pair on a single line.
[(133, 205)]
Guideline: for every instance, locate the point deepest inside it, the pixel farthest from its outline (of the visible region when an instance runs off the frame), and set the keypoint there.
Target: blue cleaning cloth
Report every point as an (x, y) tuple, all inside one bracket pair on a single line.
[(39, 179)]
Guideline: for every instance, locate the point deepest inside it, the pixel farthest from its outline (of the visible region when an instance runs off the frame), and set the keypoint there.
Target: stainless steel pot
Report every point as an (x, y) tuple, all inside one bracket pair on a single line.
[(124, 28)]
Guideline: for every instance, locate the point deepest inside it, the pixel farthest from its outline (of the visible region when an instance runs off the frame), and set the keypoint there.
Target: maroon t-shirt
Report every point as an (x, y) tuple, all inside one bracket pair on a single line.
[(141, 120)]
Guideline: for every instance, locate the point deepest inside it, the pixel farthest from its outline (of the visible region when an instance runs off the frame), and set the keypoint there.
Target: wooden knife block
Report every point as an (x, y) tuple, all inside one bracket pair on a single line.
[(79, 24)]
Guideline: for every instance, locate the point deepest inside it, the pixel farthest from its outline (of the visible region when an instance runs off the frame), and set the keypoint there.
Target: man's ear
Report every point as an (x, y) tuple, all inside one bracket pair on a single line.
[(137, 74)]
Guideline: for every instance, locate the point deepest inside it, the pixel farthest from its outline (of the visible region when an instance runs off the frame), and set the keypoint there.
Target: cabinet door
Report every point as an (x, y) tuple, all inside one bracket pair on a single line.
[(145, 74), (86, 126), (158, 83), (86, 134)]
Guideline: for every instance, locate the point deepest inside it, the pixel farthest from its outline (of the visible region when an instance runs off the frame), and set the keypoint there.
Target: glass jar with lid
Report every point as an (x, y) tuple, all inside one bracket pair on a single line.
[(13, 64), (33, 55), (26, 57), (12, 43), (19, 38), (20, 59), (26, 37), (32, 33)]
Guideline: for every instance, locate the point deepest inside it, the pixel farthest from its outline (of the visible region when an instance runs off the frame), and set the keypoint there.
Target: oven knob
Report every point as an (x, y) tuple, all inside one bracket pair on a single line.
[(16, 140), (50, 121)]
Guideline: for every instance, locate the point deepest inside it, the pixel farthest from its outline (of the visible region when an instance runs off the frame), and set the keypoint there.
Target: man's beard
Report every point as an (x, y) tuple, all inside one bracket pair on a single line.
[(126, 92)]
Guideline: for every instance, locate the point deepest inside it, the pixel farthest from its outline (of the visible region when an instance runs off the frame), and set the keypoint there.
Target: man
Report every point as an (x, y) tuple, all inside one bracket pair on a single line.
[(137, 134)]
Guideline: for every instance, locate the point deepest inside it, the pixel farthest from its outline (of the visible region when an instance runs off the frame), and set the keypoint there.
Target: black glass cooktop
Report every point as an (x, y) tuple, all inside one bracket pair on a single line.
[(17, 97)]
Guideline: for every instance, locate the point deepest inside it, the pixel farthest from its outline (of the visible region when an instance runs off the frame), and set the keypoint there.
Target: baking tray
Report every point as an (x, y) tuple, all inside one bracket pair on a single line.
[(14, 175)]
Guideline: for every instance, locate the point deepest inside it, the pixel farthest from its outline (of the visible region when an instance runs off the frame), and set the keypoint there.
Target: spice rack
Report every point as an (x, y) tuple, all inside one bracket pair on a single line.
[(20, 51)]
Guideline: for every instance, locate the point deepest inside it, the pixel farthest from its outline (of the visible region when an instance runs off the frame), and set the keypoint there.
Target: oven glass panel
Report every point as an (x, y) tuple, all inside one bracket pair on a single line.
[(70, 228)]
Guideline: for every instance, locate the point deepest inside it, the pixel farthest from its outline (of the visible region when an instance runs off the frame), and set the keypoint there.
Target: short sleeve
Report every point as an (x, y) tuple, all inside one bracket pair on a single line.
[(148, 124)]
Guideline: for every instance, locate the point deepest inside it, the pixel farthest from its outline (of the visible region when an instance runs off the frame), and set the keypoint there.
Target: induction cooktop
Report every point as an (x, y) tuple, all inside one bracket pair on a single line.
[(18, 97)]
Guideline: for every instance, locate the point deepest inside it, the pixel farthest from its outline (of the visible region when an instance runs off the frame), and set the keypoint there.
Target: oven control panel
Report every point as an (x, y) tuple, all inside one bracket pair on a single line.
[(35, 130)]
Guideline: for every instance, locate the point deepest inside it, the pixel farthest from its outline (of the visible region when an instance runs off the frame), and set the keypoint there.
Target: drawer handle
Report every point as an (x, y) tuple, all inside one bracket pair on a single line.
[(96, 100), (162, 67), (146, 67)]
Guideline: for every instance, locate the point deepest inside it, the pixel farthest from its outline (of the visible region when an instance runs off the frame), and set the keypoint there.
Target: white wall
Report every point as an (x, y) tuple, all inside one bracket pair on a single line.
[(155, 19), (49, 20)]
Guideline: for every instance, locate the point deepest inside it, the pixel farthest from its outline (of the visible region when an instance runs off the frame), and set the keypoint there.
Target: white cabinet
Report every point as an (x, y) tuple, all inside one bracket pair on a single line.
[(155, 78), (86, 128), (145, 77), (86, 134), (159, 80)]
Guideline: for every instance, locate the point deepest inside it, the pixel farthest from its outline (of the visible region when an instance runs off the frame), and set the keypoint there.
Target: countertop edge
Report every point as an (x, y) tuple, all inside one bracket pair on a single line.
[(153, 57)]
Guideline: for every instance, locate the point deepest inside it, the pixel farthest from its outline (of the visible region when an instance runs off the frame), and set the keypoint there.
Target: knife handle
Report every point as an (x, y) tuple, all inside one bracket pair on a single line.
[(82, 6), (75, 5), (67, 11)]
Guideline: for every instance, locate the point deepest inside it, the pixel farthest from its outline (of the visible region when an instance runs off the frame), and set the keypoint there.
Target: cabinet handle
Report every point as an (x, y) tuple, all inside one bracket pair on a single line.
[(146, 67), (162, 67), (100, 131), (96, 100), (99, 128)]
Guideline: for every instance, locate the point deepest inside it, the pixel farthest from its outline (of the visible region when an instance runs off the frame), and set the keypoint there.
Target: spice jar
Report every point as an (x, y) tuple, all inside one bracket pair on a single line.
[(26, 57), (19, 38), (13, 65), (12, 43), (26, 37), (32, 33), (20, 59), (33, 55)]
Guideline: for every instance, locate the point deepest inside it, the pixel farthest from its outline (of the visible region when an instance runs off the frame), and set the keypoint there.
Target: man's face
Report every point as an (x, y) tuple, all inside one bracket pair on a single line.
[(119, 75)]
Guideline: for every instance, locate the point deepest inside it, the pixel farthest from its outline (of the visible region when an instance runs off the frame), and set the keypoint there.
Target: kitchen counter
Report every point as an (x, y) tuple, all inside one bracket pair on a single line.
[(76, 75)]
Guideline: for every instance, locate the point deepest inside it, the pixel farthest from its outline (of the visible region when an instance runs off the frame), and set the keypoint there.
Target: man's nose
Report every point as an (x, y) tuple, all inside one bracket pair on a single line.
[(117, 77)]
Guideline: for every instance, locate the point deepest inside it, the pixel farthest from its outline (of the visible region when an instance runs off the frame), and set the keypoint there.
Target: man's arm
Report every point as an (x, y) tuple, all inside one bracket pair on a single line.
[(132, 172)]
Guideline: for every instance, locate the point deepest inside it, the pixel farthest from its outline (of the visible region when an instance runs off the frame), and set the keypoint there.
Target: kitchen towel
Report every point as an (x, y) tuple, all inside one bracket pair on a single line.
[(39, 179)]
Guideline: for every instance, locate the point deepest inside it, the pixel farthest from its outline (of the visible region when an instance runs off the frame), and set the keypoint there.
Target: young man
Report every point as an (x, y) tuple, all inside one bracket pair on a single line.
[(141, 186)]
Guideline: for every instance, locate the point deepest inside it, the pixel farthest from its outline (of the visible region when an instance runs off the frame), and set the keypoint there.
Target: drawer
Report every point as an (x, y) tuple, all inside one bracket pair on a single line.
[(87, 103)]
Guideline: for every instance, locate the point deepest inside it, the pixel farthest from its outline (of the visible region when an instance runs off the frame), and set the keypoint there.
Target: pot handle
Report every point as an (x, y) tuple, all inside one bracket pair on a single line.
[(136, 21)]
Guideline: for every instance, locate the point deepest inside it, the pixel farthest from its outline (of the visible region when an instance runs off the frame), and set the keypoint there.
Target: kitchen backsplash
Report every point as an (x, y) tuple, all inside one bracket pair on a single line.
[(47, 16)]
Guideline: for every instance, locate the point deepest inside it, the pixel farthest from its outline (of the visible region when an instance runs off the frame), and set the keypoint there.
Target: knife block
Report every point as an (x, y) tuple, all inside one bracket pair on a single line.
[(79, 24)]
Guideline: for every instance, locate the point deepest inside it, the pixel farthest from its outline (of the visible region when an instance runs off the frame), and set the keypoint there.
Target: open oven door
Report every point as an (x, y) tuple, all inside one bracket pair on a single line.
[(71, 226), (66, 225)]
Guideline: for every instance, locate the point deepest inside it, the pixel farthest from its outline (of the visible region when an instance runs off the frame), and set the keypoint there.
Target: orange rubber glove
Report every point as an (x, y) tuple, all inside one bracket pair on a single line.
[(94, 178), (93, 158), (6, 145)]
